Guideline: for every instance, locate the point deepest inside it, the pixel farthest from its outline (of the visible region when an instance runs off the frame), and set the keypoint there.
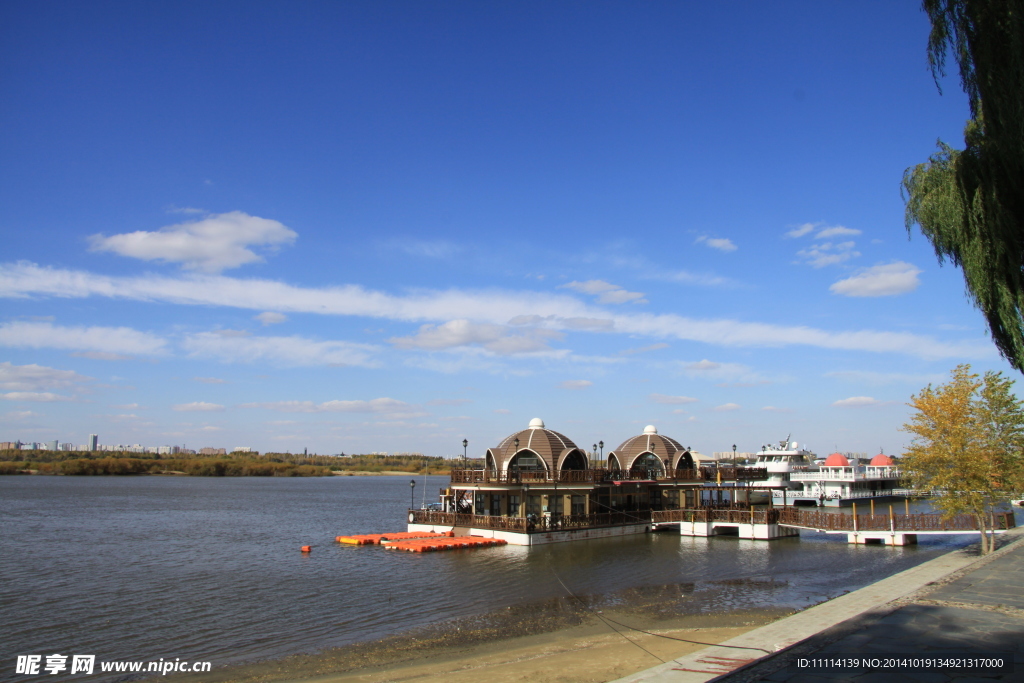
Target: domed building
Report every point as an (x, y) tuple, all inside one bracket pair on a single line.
[(536, 449), (538, 486), (650, 451)]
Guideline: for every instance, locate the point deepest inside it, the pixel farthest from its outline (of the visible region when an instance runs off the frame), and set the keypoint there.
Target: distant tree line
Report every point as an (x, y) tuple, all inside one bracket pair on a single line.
[(231, 465)]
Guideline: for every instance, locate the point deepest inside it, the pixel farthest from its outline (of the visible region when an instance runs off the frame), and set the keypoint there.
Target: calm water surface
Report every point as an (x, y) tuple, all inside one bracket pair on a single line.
[(209, 569)]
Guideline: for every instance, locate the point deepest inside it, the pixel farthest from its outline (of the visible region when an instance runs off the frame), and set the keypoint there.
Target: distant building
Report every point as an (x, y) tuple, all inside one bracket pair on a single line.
[(212, 451), (67, 447), (94, 440), (242, 449)]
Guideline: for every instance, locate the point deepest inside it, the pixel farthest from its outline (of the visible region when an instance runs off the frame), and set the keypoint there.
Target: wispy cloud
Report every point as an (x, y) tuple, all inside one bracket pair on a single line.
[(386, 406), (643, 349), (198, 407), (576, 384), (671, 400), (859, 402), (270, 318), (210, 245), (883, 378), (828, 253), (33, 378), (883, 280), (606, 292), (719, 243), (726, 407), (114, 340), (25, 279), (209, 380), (433, 249), (40, 396), (497, 339), (288, 351)]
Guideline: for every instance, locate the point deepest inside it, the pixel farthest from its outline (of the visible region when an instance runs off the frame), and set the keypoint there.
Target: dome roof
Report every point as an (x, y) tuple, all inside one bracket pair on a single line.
[(650, 441), (836, 460), (551, 446), (881, 460)]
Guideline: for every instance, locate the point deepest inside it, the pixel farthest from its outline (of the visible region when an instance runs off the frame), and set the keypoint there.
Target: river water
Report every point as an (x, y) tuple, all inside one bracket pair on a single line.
[(209, 569)]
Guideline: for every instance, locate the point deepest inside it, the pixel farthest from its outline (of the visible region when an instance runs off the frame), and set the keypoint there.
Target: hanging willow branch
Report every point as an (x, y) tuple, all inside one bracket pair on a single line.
[(970, 203)]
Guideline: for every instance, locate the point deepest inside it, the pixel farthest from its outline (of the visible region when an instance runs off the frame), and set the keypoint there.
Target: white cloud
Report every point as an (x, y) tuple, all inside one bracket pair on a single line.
[(293, 351), (22, 280), (726, 407), (116, 340), (801, 230), (270, 318), (388, 406), (497, 339), (41, 396), (671, 400), (502, 411), (703, 366), (33, 378), (773, 409), (576, 384), (209, 245), (719, 243), (883, 280), (858, 402), (101, 355), (209, 380), (606, 292), (436, 249), (198, 407), (828, 254), (643, 349), (836, 231)]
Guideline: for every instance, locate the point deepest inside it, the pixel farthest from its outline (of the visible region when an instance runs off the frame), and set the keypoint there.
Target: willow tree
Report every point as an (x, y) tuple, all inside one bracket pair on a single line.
[(970, 202), (968, 445)]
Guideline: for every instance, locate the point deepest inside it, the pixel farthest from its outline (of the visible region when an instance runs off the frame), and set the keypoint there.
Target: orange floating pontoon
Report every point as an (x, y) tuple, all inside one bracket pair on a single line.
[(374, 539), (426, 545)]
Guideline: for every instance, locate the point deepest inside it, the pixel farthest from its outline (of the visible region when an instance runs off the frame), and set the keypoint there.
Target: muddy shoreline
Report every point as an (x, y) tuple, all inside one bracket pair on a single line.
[(525, 632)]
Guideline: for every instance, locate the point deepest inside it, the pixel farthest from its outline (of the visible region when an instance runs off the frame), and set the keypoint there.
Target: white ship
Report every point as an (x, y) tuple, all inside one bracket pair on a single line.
[(782, 460)]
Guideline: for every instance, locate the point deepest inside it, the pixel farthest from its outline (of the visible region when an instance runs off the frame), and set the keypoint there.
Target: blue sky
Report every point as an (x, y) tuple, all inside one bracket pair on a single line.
[(391, 226)]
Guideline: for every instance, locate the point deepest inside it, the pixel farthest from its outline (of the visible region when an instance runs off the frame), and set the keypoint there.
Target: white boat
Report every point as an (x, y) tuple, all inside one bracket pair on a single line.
[(781, 460)]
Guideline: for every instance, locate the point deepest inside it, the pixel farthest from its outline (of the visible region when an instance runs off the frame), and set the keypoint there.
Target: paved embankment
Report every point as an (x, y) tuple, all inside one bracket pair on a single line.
[(957, 603)]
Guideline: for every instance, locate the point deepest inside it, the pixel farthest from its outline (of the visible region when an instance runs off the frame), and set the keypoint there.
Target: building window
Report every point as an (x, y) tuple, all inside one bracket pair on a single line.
[(513, 505), (579, 505), (533, 505)]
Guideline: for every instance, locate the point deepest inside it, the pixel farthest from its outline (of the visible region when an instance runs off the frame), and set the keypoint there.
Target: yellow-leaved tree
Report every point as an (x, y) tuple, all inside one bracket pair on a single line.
[(968, 445)]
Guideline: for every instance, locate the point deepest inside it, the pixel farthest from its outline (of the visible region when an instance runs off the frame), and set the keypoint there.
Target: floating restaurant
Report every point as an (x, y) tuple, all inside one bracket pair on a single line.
[(537, 486)]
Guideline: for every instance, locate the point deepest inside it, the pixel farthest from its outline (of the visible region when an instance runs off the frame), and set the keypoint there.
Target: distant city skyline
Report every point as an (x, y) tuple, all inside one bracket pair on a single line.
[(394, 226)]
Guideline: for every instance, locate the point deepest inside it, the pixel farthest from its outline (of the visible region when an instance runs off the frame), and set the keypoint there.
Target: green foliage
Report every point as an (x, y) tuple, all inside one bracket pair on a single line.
[(968, 443), (970, 203)]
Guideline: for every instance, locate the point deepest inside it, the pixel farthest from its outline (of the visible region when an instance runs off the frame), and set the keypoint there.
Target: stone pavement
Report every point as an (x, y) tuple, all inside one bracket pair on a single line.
[(958, 603)]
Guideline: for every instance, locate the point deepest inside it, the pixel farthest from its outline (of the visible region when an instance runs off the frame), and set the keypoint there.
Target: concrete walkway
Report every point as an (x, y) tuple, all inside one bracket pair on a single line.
[(958, 603)]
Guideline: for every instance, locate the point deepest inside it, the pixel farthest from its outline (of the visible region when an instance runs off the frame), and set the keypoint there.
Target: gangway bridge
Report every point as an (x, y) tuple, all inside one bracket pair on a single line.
[(768, 523)]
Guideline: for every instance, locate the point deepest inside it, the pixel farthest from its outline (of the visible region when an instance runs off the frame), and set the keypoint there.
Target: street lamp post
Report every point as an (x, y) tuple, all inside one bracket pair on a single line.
[(412, 488), (465, 443), (734, 455)]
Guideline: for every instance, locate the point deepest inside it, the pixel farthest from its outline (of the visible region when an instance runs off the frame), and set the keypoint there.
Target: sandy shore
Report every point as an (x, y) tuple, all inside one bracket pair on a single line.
[(571, 647)]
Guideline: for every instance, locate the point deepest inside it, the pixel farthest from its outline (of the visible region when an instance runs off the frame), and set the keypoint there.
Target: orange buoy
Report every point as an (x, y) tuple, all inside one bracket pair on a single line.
[(307, 548)]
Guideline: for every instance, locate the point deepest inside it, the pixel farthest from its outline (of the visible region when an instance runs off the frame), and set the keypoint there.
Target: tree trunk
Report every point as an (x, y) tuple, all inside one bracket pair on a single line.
[(985, 541)]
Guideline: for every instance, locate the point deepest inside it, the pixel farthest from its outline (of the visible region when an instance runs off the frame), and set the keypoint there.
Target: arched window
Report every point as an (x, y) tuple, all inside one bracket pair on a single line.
[(526, 461), (685, 462), (613, 462), (650, 463), (574, 461), (491, 467)]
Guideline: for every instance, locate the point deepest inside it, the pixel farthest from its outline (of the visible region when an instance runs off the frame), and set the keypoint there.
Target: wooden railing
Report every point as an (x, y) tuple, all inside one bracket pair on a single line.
[(532, 524), (900, 523), (731, 515), (599, 475)]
